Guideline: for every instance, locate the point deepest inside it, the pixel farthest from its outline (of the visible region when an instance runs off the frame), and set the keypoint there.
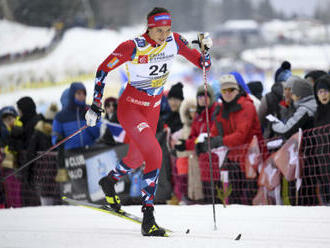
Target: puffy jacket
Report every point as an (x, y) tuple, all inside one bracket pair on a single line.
[(238, 128), (70, 119)]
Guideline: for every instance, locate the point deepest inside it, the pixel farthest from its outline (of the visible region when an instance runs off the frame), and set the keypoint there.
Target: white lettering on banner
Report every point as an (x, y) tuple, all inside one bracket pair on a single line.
[(142, 126), (157, 103), (74, 161), (137, 102), (76, 174)]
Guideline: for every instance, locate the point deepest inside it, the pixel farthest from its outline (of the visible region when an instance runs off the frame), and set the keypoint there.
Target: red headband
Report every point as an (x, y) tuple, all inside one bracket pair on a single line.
[(160, 19)]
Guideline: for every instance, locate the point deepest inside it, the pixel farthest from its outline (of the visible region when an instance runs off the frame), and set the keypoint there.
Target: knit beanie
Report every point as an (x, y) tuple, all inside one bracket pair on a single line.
[(302, 88), (176, 91), (290, 81), (8, 110), (284, 66)]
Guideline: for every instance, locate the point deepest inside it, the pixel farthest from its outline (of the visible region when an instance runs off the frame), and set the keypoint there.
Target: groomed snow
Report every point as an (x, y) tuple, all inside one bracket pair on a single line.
[(260, 226)]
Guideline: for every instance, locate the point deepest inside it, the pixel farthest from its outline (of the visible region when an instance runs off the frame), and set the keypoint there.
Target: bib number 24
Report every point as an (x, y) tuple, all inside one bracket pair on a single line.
[(155, 69)]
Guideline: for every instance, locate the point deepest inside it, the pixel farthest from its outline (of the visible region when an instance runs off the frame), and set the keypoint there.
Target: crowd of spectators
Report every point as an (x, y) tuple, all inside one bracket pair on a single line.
[(243, 111)]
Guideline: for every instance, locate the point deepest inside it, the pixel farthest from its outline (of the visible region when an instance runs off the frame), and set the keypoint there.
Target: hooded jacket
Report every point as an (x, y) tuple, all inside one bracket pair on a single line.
[(239, 125), (322, 116), (70, 119), (198, 125), (29, 117), (302, 117)]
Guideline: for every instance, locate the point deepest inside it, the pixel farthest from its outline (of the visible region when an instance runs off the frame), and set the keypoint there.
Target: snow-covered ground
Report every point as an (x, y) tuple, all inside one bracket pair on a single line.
[(260, 226)]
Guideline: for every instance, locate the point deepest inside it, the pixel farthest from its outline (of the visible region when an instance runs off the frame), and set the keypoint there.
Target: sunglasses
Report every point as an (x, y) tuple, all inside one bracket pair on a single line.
[(229, 90)]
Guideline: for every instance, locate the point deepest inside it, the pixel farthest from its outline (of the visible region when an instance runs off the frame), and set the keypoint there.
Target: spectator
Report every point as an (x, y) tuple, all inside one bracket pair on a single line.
[(110, 106), (44, 174), (270, 104), (312, 76), (256, 89), (106, 137), (174, 98), (71, 118), (186, 160), (235, 125), (29, 117), (287, 106), (322, 134), (305, 104), (11, 143), (199, 126)]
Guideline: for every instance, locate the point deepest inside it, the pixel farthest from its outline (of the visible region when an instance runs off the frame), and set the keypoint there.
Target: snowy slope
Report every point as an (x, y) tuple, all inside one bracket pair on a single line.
[(16, 37), (260, 226)]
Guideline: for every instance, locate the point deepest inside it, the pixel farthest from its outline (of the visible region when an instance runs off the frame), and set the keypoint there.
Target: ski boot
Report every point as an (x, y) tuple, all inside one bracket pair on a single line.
[(149, 226), (108, 187)]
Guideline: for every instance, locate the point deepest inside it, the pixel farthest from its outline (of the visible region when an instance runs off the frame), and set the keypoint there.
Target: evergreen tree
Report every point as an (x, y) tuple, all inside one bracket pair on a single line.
[(265, 10)]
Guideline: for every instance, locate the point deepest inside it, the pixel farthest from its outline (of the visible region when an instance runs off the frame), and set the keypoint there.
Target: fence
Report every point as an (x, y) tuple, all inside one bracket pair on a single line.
[(294, 172)]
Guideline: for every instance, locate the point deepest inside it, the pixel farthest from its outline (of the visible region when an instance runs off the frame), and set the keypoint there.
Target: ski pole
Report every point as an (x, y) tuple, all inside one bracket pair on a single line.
[(208, 136), (44, 153)]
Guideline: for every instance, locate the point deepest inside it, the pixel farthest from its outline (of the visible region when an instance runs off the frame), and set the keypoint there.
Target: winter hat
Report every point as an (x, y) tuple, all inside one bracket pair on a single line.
[(228, 81), (8, 110), (289, 82), (316, 74), (302, 88), (176, 91), (256, 88), (26, 105), (283, 76), (51, 111), (210, 93), (284, 66)]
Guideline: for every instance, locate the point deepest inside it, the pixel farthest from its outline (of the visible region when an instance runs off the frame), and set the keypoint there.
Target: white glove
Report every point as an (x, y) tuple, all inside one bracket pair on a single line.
[(207, 41), (204, 41), (92, 115)]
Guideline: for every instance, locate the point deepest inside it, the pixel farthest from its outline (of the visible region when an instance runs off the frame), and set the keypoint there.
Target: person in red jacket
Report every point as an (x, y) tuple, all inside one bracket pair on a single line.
[(148, 59), (198, 127), (235, 125)]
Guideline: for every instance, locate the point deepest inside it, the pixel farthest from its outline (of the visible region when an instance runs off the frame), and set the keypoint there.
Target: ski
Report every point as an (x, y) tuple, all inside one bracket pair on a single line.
[(105, 209)]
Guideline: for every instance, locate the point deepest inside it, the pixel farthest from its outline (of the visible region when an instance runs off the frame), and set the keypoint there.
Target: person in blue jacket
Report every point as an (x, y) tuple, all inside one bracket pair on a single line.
[(71, 118)]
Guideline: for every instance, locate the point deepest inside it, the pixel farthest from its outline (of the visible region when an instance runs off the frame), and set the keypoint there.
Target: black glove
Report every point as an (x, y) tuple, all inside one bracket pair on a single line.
[(181, 146), (97, 110), (203, 147)]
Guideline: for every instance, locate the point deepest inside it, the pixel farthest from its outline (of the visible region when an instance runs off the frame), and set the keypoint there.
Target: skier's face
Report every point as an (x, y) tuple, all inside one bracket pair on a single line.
[(159, 34)]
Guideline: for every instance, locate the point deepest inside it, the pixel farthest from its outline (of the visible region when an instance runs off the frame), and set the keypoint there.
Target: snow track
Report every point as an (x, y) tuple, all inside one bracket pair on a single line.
[(261, 226)]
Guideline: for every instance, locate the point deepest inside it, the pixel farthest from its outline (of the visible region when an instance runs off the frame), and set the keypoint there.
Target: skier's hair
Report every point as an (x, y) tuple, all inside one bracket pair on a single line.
[(157, 10)]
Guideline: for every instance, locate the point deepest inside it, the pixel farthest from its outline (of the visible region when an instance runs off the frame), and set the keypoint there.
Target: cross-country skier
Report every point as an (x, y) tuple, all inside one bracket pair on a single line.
[(148, 60)]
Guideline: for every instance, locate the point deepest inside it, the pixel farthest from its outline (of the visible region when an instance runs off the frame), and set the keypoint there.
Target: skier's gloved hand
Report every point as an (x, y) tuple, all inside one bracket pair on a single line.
[(204, 41), (93, 114), (181, 146)]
